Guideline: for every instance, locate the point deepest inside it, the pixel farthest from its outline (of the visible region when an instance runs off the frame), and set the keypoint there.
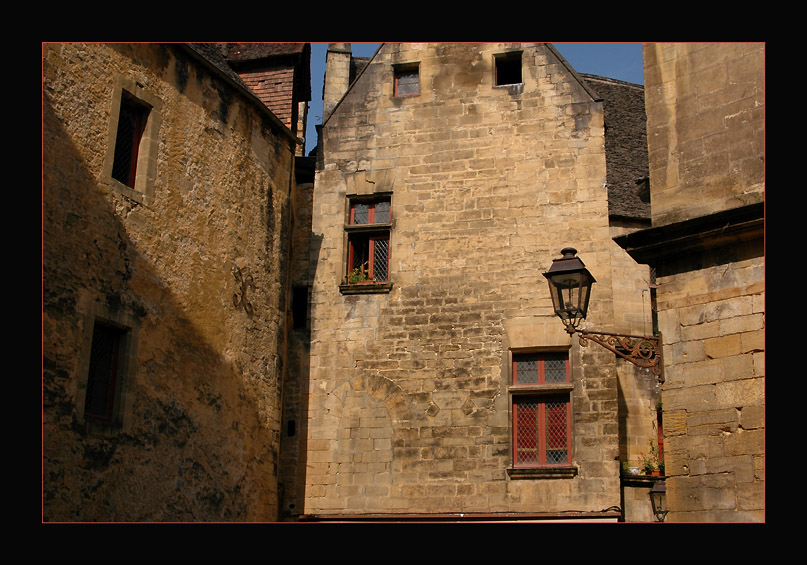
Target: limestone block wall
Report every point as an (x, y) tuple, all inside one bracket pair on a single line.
[(197, 428), (705, 127), (713, 322), (409, 409), (639, 389), (705, 111)]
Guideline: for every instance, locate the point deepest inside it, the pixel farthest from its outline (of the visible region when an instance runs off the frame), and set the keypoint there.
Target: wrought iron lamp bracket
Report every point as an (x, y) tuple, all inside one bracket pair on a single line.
[(642, 351)]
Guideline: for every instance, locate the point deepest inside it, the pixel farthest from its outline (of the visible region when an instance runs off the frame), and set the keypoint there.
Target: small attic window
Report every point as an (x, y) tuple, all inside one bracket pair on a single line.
[(407, 80), (508, 68)]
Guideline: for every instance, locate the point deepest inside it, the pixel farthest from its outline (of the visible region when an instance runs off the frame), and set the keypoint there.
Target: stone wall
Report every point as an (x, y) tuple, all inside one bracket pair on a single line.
[(409, 403), (705, 127), (713, 322), (705, 134), (195, 435)]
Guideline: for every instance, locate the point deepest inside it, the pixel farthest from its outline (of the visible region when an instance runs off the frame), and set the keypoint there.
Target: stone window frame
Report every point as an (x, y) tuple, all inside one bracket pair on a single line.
[(399, 70), (127, 91), (128, 327), (371, 230), (509, 62), (519, 391)]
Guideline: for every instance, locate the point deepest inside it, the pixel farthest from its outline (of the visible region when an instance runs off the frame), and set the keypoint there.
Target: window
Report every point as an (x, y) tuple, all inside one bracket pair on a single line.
[(368, 251), (407, 80), (368, 248), (102, 378), (508, 69), (107, 368), (131, 121), (541, 393), (134, 126)]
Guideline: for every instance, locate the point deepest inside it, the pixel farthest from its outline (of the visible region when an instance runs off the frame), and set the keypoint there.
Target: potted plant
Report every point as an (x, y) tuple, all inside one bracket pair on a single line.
[(648, 464), (651, 464), (359, 274)]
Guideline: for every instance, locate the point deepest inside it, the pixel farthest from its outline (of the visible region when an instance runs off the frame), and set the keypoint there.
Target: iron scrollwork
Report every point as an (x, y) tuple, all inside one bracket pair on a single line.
[(244, 282), (642, 351)]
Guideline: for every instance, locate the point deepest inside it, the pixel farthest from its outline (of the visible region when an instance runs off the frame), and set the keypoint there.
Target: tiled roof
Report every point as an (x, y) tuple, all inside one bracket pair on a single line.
[(278, 73), (625, 146), (215, 55)]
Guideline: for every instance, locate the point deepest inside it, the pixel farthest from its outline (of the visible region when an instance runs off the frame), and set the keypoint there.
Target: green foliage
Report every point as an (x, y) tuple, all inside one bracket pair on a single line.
[(359, 274)]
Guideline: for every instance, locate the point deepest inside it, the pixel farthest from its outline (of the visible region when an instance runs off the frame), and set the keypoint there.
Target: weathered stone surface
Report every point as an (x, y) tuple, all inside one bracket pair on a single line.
[(705, 105), (198, 437), (488, 184), (706, 127)]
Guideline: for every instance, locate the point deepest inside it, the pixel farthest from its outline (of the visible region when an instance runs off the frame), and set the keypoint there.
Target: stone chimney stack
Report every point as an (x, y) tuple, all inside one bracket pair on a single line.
[(337, 76)]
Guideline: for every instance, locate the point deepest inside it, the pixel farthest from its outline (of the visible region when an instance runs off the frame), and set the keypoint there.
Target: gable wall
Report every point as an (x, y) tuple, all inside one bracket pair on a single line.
[(409, 406)]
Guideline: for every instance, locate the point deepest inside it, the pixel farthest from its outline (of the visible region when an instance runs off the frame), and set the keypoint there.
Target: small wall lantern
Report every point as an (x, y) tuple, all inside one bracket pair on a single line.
[(658, 498), (570, 288)]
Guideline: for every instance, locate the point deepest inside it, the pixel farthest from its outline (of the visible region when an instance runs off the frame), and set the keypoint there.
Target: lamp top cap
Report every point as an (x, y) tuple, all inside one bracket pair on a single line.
[(568, 263)]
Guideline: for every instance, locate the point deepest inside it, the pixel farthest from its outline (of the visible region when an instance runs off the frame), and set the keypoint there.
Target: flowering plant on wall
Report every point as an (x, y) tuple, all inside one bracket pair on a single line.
[(651, 462), (359, 274)]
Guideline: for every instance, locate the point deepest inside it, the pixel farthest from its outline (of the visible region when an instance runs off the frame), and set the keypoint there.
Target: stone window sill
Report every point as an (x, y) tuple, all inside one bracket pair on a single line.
[(365, 288), (565, 472)]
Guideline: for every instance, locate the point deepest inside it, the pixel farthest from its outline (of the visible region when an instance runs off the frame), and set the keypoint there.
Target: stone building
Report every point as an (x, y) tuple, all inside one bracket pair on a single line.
[(440, 382), (706, 141), (167, 192), (366, 333)]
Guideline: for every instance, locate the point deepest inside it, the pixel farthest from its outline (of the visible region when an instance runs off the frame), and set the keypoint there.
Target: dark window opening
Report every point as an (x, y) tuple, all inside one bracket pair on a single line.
[(508, 69), (654, 300), (103, 373), (131, 123), (407, 81), (299, 307)]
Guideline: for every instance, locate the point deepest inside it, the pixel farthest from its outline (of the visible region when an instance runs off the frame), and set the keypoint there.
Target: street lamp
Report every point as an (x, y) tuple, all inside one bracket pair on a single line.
[(658, 498), (570, 288)]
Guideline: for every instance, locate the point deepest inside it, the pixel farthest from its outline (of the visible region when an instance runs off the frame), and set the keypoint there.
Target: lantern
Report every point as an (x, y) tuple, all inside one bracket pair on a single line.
[(570, 288)]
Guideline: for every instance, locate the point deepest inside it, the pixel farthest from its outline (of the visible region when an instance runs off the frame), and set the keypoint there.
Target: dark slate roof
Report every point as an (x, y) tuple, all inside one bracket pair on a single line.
[(215, 54), (239, 52), (625, 146)]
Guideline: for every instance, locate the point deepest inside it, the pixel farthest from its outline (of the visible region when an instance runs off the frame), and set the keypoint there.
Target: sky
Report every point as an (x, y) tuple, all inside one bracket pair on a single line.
[(621, 61)]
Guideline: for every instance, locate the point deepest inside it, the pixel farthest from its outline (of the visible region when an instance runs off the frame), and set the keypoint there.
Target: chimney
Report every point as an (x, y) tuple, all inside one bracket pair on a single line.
[(337, 76)]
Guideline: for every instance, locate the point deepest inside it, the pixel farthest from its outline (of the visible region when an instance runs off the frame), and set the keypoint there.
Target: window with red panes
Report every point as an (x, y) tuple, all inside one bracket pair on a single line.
[(541, 410), (368, 241)]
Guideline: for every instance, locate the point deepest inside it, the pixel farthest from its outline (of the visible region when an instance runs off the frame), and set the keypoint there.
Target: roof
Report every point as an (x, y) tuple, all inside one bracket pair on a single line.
[(241, 52), (214, 55), (625, 146)]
